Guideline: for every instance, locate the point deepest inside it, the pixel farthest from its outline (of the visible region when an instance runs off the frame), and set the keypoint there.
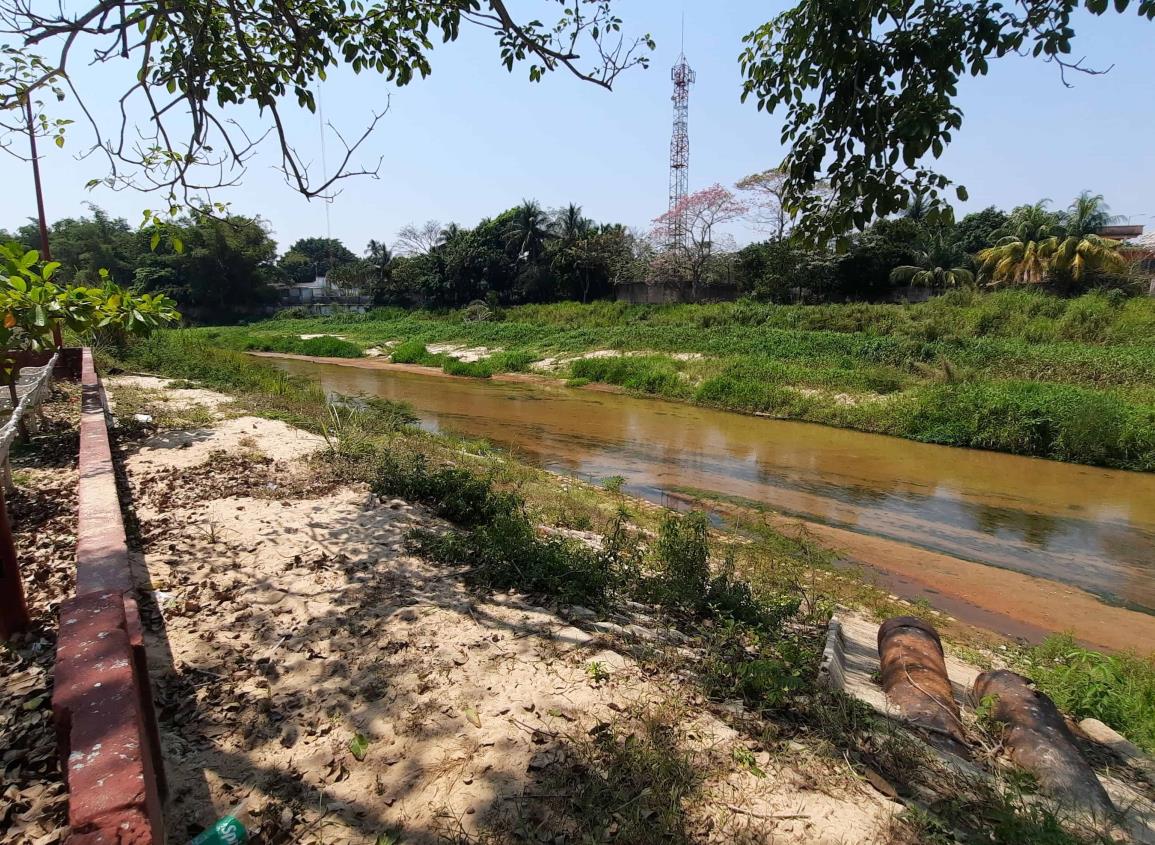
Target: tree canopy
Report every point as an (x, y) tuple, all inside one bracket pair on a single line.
[(195, 66), (870, 88)]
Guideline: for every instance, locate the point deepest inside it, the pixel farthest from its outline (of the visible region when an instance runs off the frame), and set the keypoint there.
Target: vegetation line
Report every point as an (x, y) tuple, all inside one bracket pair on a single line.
[(1016, 371)]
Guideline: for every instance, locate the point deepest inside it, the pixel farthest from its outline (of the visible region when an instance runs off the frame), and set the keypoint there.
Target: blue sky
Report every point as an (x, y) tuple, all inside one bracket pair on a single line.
[(473, 139)]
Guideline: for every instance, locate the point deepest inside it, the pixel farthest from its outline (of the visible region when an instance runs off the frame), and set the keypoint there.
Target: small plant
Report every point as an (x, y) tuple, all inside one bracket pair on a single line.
[(614, 484), (597, 672), (745, 758)]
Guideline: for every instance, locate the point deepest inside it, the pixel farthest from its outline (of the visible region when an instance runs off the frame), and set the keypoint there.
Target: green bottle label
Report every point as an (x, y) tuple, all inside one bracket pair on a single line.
[(227, 831)]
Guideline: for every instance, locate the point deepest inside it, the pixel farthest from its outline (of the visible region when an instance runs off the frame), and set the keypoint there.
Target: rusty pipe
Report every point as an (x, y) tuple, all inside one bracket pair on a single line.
[(1038, 740), (916, 683)]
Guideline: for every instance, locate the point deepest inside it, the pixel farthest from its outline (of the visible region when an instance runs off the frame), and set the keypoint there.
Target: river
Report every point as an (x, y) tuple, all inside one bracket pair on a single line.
[(906, 508)]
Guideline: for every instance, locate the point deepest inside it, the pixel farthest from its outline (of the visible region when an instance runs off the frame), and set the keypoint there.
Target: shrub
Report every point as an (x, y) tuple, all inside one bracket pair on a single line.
[(644, 373), (506, 553), (414, 352), (1057, 421), (1118, 690), (453, 493), (470, 369), (682, 559), (325, 346)]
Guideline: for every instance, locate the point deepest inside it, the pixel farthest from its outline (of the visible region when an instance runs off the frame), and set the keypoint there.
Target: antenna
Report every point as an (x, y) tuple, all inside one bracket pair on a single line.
[(683, 77)]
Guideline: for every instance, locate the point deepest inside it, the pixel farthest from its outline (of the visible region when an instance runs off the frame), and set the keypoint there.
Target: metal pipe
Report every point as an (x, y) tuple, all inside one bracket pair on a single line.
[(916, 683), (1038, 740)]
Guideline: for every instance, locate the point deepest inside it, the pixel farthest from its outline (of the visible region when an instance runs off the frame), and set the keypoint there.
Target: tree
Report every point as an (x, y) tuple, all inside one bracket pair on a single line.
[(413, 239), (310, 258), (1087, 215), (225, 268), (528, 231), (977, 230), (1029, 223), (1038, 247), (765, 192), (703, 211), (864, 269), (938, 264), (782, 271), (194, 66), (870, 91), (570, 225)]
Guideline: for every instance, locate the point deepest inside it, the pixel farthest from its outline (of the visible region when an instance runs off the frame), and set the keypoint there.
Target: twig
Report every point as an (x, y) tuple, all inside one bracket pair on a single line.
[(767, 816)]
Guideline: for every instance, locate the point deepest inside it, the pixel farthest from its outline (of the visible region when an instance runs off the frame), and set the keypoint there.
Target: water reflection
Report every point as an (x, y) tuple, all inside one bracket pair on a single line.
[(1088, 527)]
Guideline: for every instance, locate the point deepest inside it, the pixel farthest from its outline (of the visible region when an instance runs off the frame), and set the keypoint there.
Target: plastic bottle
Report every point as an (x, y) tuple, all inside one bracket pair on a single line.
[(228, 830)]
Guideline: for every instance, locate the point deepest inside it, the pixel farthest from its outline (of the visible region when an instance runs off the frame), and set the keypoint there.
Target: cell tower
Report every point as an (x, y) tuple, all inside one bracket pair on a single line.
[(683, 77)]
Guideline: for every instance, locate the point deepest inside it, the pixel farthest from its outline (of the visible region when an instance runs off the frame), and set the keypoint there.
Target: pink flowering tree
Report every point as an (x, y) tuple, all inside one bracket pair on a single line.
[(704, 212)]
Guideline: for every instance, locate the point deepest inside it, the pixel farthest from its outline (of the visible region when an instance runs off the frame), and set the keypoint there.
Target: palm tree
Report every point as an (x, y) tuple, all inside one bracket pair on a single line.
[(570, 225), (1029, 223), (918, 208), (378, 252), (1087, 215), (1037, 246), (1016, 261), (934, 268), (449, 234), (1075, 257), (529, 230)]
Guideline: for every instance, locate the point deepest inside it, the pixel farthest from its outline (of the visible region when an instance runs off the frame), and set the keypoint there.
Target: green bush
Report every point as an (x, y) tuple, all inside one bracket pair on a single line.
[(682, 559), (414, 352), (470, 369), (321, 347), (1118, 690), (1056, 421), (506, 553), (643, 373), (453, 493)]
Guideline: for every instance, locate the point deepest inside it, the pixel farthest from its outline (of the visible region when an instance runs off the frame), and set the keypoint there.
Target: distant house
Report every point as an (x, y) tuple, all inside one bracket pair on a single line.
[(320, 291)]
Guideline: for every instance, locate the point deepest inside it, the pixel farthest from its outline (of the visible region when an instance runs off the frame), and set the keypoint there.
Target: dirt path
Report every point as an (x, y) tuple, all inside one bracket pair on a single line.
[(301, 657)]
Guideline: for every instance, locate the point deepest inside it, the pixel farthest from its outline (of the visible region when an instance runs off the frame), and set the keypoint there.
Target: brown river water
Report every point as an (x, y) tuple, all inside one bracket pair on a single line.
[(1014, 544)]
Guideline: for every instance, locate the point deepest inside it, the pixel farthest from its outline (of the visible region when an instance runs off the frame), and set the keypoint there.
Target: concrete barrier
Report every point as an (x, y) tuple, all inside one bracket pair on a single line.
[(102, 702)]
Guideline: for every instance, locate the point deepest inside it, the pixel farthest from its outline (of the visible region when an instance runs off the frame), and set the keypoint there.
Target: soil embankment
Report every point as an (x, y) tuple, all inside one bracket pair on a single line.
[(305, 660)]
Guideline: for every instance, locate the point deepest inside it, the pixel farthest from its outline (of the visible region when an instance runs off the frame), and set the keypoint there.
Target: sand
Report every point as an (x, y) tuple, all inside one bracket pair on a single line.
[(302, 657)]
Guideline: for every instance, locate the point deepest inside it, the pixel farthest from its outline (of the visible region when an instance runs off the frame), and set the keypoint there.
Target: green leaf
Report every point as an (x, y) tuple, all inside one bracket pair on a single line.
[(359, 747), (470, 713), (154, 241), (177, 244)]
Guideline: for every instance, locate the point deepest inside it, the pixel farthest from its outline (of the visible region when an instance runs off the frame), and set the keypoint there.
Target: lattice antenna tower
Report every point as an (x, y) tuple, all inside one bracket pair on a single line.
[(683, 77)]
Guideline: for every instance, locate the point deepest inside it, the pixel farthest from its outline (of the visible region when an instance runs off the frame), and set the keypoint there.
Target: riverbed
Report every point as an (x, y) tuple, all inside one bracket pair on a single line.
[(1019, 545)]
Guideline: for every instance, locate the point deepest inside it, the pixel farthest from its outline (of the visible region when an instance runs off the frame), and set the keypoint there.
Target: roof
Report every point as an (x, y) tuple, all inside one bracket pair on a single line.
[(1146, 241), (1121, 232)]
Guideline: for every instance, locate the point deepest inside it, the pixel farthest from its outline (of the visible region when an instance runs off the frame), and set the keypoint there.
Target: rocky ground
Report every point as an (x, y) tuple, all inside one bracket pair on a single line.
[(306, 662), (42, 509)]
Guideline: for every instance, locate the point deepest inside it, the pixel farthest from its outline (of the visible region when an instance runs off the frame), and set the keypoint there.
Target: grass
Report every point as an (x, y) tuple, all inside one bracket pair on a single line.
[(1118, 690), (322, 347), (752, 602), (1012, 371)]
